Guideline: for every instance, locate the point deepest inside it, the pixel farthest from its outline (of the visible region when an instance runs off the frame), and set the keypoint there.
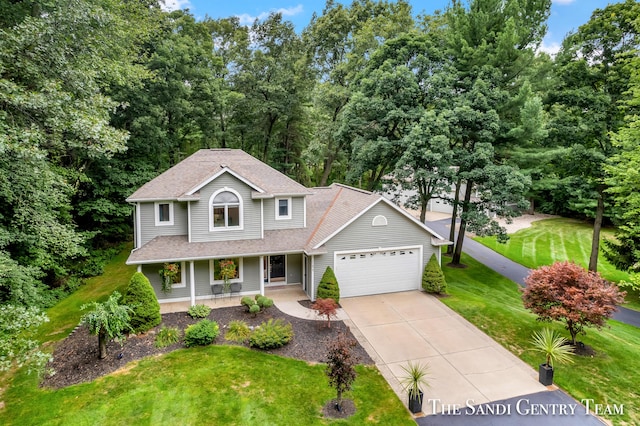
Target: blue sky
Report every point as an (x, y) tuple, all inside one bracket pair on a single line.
[(566, 15)]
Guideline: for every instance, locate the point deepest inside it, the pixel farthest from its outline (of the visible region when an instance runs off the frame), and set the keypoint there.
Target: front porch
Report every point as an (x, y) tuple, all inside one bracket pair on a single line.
[(284, 297)]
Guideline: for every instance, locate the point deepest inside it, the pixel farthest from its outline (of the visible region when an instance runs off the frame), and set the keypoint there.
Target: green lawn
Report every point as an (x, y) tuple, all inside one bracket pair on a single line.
[(65, 315), (493, 304), (214, 385), (551, 240), (217, 385)]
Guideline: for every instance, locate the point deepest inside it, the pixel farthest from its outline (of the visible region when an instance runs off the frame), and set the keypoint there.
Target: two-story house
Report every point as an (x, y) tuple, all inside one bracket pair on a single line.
[(221, 205)]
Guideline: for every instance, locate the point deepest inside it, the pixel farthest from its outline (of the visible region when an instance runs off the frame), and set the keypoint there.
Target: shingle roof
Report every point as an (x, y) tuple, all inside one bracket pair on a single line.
[(329, 209), (181, 180)]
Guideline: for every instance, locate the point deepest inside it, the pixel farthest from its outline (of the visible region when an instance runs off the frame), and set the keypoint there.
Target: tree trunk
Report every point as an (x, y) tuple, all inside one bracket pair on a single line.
[(328, 164), (102, 345), (339, 401), (572, 331), (454, 216), (457, 253), (597, 226)]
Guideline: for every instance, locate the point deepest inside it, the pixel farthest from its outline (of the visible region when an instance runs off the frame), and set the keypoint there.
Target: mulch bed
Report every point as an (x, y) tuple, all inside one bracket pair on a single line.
[(75, 359)]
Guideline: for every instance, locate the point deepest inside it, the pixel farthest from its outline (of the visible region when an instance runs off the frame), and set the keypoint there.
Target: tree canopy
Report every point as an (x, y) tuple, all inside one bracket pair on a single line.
[(99, 96)]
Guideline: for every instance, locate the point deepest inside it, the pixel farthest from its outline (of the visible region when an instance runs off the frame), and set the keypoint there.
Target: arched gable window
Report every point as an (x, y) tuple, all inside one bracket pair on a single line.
[(225, 210), (379, 221)]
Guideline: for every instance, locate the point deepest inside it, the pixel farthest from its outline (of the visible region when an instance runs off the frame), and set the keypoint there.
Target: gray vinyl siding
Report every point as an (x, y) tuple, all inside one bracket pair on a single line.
[(361, 235), (251, 212), (149, 230), (297, 214), (202, 274), (294, 268)]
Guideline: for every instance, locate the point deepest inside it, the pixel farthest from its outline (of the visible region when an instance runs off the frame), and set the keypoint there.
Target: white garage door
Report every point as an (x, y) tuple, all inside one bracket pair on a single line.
[(378, 271)]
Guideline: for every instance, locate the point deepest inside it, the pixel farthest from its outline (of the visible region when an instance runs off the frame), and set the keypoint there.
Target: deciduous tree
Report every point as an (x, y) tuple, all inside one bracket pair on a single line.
[(566, 292), (593, 68), (326, 308), (341, 366), (17, 347), (108, 320)]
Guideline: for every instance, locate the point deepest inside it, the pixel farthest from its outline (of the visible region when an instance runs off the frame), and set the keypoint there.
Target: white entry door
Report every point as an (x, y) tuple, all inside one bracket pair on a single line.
[(378, 271)]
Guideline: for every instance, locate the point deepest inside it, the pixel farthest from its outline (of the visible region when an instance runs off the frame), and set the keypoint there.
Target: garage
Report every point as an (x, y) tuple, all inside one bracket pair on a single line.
[(378, 271)]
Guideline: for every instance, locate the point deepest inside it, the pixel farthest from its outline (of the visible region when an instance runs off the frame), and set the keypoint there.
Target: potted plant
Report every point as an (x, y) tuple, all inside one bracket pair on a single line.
[(555, 348), (416, 375)]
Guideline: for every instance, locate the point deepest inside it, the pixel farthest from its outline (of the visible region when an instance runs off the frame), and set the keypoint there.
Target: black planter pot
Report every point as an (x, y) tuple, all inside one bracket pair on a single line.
[(545, 374), (415, 403)]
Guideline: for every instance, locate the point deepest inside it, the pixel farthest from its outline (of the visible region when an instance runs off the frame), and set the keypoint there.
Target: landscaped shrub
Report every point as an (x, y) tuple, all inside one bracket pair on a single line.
[(247, 301), (271, 334), (144, 303), (199, 311), (256, 305), (167, 336), (433, 280), (201, 333), (264, 302), (328, 287), (237, 331)]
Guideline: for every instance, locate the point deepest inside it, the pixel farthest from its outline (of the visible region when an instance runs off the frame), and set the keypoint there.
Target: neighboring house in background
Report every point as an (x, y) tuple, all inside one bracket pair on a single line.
[(223, 204)]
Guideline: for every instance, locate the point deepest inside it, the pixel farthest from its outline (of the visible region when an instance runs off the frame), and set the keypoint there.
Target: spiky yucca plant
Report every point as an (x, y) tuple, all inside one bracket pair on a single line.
[(555, 348)]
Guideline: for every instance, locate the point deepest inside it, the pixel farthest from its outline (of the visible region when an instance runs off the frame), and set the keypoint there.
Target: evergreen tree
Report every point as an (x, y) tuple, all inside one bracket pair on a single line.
[(328, 287), (433, 280), (142, 299)]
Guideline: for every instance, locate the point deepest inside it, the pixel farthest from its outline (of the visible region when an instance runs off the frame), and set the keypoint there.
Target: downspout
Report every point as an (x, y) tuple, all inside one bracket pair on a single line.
[(262, 275)]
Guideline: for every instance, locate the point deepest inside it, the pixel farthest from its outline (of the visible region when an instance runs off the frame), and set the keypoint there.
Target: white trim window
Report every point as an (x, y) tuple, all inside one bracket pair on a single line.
[(163, 212), (214, 269), (283, 208), (225, 211)]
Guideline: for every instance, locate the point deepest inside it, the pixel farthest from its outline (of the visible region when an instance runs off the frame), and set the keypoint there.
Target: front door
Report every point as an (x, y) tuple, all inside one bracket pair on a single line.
[(275, 268)]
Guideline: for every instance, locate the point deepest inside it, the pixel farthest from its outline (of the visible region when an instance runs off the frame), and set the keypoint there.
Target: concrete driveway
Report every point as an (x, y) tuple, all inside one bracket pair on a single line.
[(466, 366)]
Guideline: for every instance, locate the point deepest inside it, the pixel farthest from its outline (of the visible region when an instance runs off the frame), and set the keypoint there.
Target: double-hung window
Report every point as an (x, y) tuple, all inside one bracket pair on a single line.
[(226, 211), (283, 208), (164, 213)]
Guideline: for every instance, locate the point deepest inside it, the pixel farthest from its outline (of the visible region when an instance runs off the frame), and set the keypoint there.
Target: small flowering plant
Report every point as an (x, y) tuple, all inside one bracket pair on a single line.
[(169, 275)]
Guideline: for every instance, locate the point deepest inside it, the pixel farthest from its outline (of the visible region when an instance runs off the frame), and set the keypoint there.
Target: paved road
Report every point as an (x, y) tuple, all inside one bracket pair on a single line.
[(512, 270)]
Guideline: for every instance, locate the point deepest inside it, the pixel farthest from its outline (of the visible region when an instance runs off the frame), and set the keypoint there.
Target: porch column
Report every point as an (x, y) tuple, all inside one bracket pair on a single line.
[(261, 275), (192, 282), (313, 281)]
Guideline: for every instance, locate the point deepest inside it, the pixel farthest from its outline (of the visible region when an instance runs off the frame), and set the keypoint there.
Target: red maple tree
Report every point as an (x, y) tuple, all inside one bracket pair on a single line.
[(567, 292), (326, 307)]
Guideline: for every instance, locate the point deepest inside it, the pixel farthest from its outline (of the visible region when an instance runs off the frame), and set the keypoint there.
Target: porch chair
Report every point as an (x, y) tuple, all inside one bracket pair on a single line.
[(216, 290), (236, 288)]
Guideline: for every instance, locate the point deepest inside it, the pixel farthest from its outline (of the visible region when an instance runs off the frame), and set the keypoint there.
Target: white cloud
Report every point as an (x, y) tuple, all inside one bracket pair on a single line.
[(246, 19), (551, 48), (563, 2), (171, 5)]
